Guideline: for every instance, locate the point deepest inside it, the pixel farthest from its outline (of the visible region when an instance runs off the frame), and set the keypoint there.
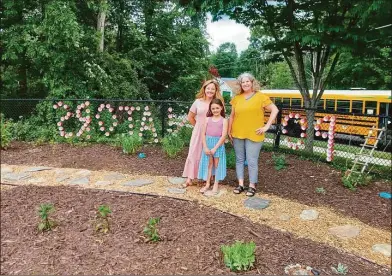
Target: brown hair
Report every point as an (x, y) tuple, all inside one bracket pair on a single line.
[(202, 95), (218, 102), (255, 83)]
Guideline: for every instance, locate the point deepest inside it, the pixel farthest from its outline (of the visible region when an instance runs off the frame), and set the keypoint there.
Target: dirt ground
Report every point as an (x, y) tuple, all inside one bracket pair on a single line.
[(191, 237), (298, 182)]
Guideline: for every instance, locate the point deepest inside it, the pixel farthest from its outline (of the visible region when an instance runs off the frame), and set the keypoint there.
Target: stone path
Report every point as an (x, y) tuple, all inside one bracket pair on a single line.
[(319, 224)]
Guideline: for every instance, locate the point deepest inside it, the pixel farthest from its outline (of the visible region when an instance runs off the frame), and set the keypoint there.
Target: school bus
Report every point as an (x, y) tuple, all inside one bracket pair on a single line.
[(356, 111)]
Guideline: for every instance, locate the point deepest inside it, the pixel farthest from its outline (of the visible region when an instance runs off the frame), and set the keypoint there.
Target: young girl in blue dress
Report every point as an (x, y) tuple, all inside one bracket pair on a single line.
[(213, 159)]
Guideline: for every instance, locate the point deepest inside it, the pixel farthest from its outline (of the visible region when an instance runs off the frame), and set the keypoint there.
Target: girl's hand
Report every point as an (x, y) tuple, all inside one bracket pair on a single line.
[(230, 138), (262, 130), (213, 151), (207, 151)]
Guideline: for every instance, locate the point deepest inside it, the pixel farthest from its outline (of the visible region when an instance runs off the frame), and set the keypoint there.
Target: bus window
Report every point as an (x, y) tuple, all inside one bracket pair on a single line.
[(357, 107), (296, 103), (343, 106), (320, 104), (330, 105), (371, 108), (286, 102)]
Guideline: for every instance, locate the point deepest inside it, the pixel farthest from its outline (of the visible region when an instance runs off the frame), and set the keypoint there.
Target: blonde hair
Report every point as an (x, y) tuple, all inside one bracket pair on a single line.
[(202, 95), (255, 83)]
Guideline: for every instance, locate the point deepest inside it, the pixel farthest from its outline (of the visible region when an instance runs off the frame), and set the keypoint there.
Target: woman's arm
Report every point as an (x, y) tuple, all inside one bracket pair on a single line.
[(191, 118), (274, 112), (230, 124), (223, 137)]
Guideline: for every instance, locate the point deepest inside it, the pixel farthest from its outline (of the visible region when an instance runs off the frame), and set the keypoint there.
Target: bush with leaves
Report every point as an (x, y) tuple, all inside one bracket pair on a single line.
[(46, 224), (279, 161), (239, 256), (151, 230), (5, 132), (172, 145), (131, 144), (102, 220), (354, 180)]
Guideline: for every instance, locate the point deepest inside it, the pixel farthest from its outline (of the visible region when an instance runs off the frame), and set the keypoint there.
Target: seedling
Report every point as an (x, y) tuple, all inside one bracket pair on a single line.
[(279, 161), (320, 190), (354, 180), (102, 221), (239, 256), (46, 224), (151, 230), (341, 269)]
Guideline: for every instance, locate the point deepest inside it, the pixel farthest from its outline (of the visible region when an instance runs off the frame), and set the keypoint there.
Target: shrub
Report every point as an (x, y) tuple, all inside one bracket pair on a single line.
[(279, 161), (172, 145), (151, 230), (102, 221), (354, 180), (230, 158), (46, 224), (131, 144), (5, 133), (185, 134), (239, 256)]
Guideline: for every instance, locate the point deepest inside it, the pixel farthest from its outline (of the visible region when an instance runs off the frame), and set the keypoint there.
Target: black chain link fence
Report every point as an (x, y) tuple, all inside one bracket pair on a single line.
[(336, 135)]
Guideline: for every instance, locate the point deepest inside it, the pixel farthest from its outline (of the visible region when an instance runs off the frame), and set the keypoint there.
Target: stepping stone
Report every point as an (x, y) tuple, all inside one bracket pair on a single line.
[(285, 217), (138, 182), (209, 193), (79, 181), (5, 170), (36, 180), (176, 180), (298, 269), (309, 214), (61, 178), (113, 177), (104, 183), (345, 231), (16, 176), (37, 169), (83, 173), (382, 248), (256, 203), (176, 191)]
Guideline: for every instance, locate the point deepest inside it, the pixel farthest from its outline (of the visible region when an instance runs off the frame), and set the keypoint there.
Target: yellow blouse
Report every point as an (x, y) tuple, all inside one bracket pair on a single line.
[(249, 116)]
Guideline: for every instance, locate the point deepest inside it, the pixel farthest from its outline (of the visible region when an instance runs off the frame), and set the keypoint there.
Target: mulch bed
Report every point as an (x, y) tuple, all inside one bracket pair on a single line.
[(298, 182), (192, 235)]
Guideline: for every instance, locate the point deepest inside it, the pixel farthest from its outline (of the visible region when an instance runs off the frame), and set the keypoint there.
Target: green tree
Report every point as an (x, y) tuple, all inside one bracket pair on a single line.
[(279, 76), (225, 59)]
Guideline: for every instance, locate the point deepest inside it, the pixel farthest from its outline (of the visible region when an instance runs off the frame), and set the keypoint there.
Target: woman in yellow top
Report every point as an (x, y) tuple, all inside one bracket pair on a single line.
[(246, 128)]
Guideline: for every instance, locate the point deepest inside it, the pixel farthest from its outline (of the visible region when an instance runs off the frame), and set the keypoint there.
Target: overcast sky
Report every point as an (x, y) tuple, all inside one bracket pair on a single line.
[(226, 30)]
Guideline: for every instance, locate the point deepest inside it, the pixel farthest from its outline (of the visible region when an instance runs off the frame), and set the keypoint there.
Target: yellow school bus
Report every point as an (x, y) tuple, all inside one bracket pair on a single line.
[(350, 108)]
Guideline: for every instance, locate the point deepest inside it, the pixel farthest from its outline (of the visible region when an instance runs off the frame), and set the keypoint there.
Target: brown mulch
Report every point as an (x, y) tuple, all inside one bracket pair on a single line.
[(298, 182), (192, 235)]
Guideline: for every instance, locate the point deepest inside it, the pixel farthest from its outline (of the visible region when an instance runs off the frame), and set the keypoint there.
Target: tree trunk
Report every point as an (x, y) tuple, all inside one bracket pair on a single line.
[(101, 25), (309, 131)]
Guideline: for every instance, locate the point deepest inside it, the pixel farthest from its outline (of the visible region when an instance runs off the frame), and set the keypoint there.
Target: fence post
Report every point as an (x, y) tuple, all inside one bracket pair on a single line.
[(163, 118), (278, 126)]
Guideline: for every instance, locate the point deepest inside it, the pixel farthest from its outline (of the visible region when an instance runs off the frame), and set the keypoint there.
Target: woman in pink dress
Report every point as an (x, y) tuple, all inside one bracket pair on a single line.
[(197, 116)]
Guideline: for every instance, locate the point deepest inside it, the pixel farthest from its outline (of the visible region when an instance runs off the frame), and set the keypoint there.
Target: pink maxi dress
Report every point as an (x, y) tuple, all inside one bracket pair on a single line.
[(200, 108)]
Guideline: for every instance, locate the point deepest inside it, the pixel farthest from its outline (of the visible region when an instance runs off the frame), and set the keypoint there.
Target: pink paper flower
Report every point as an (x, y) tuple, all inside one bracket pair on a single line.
[(100, 109), (138, 108), (297, 116), (326, 118), (132, 108), (97, 116), (170, 116), (129, 112), (303, 135), (318, 133), (66, 117), (140, 134), (153, 129), (156, 140), (144, 118), (87, 103), (60, 103), (114, 116), (55, 106), (70, 134), (61, 128), (150, 119), (102, 128), (101, 106), (324, 135), (146, 108), (65, 106), (142, 123), (114, 123), (303, 127), (130, 125), (130, 119), (59, 124), (284, 131), (141, 129), (107, 133), (82, 106), (126, 108), (108, 106), (88, 129), (155, 135), (145, 127), (111, 128), (170, 109), (88, 136), (130, 132), (318, 121), (100, 123), (62, 133), (291, 115), (111, 110), (120, 107), (87, 110), (302, 121)]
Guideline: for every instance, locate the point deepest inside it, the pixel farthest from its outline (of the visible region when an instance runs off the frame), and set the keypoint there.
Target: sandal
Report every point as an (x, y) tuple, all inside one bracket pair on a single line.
[(251, 192), (239, 189), (204, 189)]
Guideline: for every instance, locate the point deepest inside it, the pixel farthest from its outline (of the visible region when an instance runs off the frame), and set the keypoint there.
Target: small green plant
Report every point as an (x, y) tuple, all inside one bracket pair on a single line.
[(279, 161), (341, 269), (239, 256), (151, 230), (46, 224), (230, 159), (131, 144), (320, 190), (5, 133), (354, 180), (172, 145), (102, 221), (185, 134)]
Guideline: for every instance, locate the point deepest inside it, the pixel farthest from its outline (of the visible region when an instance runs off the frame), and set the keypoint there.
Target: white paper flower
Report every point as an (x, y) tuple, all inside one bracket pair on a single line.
[(120, 107), (55, 106)]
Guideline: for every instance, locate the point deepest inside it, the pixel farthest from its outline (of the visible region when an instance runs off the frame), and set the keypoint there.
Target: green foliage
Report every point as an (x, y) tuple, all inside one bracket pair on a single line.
[(185, 133), (172, 145), (279, 161), (151, 230), (131, 144), (102, 221), (5, 132), (279, 76), (320, 190), (230, 158), (46, 224), (341, 269), (352, 181), (225, 59), (239, 256)]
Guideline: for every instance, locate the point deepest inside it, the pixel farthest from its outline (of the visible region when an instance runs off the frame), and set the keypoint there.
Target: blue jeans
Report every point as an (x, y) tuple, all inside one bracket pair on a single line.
[(248, 150)]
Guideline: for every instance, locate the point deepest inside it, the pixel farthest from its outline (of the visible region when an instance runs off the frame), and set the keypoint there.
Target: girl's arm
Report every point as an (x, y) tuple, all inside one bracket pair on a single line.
[(203, 139), (230, 124), (223, 137)]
